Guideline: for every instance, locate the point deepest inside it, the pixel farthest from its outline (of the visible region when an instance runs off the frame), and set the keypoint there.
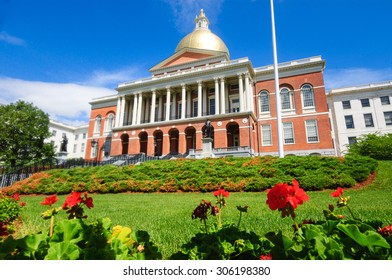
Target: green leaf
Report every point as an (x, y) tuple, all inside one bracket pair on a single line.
[(34, 245), (369, 239), (68, 230), (65, 250)]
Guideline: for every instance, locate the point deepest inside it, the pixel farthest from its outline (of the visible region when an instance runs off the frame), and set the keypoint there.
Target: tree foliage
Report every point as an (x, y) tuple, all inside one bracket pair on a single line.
[(23, 129), (375, 145)]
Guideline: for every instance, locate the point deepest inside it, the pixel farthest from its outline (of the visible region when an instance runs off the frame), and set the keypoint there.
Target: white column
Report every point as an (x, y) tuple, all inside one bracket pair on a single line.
[(174, 106), (152, 110), (199, 98), (204, 101), (223, 96), (118, 111), (134, 113), (147, 109), (216, 96), (121, 122), (248, 93), (189, 103), (183, 101), (167, 117), (241, 92), (160, 107), (139, 108)]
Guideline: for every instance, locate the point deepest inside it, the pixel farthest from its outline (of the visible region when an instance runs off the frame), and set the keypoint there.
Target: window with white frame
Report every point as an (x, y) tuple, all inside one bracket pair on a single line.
[(349, 121), (82, 147), (75, 147), (385, 100), (312, 131), (109, 122), (288, 133), (98, 123), (346, 104), (264, 101), (388, 118), (368, 120), (286, 97), (266, 134), (365, 102), (307, 96), (352, 140), (94, 151)]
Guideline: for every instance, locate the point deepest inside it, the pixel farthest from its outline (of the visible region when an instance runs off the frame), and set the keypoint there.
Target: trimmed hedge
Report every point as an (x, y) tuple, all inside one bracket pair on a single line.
[(187, 175)]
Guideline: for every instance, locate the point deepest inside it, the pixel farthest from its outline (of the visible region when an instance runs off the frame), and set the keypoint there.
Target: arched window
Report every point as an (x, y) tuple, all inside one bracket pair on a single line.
[(307, 96), (264, 101), (109, 122), (286, 97), (98, 123)]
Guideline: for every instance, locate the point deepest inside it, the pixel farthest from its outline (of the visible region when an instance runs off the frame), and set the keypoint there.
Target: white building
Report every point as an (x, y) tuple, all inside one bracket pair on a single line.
[(76, 139), (360, 110)]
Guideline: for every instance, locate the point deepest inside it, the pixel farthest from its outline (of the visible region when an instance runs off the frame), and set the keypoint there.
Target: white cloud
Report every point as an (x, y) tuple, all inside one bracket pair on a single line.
[(9, 39), (112, 78), (185, 12), (337, 78), (65, 102)]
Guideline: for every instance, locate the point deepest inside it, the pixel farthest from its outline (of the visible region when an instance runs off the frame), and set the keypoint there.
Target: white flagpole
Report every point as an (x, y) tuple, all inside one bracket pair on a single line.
[(277, 92)]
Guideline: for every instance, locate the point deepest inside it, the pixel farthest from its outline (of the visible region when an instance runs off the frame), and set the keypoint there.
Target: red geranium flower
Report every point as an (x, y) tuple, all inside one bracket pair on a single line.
[(283, 195), (72, 200), (50, 200), (88, 201), (339, 191), (266, 257), (385, 231), (16, 196), (221, 192)]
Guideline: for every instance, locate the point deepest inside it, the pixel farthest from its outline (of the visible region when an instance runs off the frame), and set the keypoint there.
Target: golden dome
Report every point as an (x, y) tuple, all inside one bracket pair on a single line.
[(202, 37)]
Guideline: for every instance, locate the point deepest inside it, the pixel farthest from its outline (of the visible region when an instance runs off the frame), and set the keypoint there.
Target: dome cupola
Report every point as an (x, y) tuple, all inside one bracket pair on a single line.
[(202, 38)]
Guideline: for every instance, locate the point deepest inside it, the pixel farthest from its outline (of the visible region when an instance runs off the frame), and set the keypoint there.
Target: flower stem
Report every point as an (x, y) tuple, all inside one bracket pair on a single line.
[(239, 221), (352, 214), (51, 226), (205, 225)]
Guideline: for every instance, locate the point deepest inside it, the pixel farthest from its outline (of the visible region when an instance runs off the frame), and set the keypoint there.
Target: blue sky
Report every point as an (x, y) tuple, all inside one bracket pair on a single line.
[(61, 54)]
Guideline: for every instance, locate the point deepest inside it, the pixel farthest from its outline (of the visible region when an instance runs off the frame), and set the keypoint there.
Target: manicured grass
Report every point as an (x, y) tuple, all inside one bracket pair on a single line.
[(167, 216)]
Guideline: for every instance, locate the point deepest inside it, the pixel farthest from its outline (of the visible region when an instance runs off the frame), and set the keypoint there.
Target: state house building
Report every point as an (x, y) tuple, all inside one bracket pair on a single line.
[(165, 114)]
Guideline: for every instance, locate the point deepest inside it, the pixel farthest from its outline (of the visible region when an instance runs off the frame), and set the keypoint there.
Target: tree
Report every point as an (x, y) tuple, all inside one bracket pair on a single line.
[(23, 129)]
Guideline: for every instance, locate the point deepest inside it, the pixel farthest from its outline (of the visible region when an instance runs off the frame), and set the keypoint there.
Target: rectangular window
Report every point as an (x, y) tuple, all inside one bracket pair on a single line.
[(212, 106), (346, 104), (349, 121), (312, 131), (388, 118), (266, 134), (76, 136), (54, 132), (75, 147), (385, 100), (352, 140), (195, 107), (365, 102), (179, 108), (235, 105), (84, 135), (368, 120), (288, 133), (82, 147)]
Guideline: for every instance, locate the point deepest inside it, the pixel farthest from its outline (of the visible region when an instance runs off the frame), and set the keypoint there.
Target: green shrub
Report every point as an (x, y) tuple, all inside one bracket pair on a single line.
[(373, 145)]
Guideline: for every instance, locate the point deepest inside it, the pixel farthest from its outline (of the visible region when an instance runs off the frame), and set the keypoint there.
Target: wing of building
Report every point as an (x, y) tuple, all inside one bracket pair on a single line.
[(360, 110), (165, 114)]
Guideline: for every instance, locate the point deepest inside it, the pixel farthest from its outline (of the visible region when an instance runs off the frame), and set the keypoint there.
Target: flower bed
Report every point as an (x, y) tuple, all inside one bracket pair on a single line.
[(232, 174)]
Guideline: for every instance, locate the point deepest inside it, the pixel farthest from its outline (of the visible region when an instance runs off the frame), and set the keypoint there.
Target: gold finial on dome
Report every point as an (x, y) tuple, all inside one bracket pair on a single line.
[(202, 37)]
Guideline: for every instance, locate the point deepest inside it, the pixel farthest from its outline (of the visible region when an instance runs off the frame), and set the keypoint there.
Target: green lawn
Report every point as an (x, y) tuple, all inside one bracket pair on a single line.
[(167, 216)]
